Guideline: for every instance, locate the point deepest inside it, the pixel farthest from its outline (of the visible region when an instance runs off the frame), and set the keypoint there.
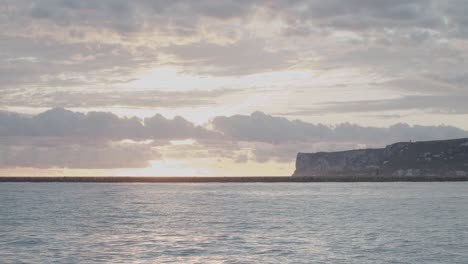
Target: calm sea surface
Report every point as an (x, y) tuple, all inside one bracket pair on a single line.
[(234, 223)]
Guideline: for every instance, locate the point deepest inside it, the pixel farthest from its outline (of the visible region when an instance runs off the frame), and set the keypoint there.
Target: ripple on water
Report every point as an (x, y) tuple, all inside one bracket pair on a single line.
[(234, 223)]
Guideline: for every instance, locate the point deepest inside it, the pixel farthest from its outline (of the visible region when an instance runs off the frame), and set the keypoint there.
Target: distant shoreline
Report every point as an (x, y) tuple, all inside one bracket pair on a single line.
[(232, 179)]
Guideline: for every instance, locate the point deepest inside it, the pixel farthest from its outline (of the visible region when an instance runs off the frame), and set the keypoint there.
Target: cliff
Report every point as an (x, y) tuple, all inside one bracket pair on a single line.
[(423, 160)]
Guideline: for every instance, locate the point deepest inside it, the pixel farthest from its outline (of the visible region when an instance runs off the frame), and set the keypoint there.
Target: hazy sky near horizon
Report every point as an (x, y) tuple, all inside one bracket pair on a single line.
[(223, 87)]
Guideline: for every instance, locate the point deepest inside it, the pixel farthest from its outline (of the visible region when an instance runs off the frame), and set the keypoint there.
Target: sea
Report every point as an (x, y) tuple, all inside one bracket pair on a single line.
[(399, 222)]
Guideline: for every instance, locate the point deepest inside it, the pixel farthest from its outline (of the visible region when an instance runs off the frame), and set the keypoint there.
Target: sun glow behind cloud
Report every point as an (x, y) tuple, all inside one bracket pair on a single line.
[(248, 93), (209, 167), (175, 79)]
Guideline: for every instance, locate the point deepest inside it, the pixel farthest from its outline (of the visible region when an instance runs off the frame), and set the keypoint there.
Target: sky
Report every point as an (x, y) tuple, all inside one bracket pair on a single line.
[(223, 87)]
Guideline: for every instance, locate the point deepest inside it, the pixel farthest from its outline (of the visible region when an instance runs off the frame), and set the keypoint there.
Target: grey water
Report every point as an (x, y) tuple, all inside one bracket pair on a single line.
[(234, 223)]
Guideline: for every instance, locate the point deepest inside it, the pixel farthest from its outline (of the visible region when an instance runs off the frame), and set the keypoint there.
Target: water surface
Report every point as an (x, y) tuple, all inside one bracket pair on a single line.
[(234, 223)]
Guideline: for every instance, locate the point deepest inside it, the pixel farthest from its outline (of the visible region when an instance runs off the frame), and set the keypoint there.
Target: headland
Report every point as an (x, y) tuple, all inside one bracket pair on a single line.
[(403, 161)]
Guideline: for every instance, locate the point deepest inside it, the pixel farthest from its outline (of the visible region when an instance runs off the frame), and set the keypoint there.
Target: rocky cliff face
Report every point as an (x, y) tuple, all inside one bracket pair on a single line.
[(406, 159)]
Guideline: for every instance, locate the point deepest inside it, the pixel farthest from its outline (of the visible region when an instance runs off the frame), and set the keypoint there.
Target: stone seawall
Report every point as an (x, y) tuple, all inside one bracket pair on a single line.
[(443, 158)]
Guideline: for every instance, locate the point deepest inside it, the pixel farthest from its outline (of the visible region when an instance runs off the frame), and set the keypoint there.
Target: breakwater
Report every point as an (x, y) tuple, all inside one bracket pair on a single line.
[(132, 179)]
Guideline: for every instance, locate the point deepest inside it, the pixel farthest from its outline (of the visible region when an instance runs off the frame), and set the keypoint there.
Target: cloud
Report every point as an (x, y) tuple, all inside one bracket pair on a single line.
[(279, 139), (53, 48), (112, 28), (450, 104), (260, 127), (239, 58), (287, 151), (138, 99), (265, 128), (125, 17), (70, 155), (62, 138), (363, 14), (60, 122)]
